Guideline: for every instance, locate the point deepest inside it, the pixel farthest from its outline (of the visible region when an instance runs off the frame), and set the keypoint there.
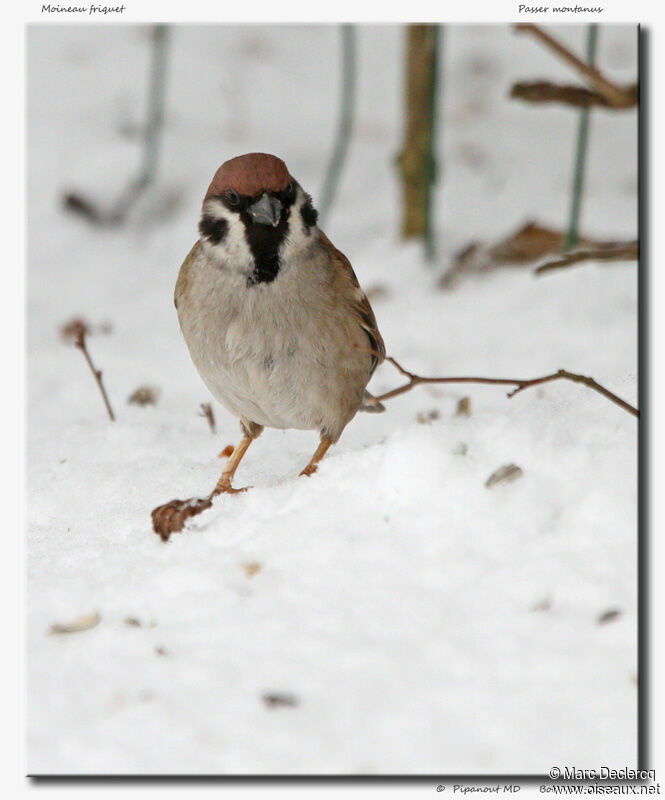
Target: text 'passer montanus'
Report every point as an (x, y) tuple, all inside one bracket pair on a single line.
[(273, 315)]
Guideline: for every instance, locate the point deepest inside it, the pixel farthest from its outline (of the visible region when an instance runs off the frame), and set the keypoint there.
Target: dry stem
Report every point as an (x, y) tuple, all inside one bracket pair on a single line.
[(79, 341), (615, 96), (628, 251), (519, 383)]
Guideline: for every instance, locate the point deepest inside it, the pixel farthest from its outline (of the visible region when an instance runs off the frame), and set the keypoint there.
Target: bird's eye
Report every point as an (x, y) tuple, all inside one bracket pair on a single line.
[(290, 191), (232, 198)]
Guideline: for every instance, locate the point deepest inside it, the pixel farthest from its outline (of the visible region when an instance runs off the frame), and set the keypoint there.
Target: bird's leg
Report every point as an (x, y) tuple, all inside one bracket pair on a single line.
[(250, 431), (224, 483), (320, 451), (171, 517)]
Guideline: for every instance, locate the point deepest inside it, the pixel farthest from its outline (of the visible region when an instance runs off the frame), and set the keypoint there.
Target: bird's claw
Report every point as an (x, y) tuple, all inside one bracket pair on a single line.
[(226, 488)]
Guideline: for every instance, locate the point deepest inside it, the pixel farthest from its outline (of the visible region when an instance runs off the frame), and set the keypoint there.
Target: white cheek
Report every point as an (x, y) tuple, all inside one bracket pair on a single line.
[(298, 237), (233, 251)]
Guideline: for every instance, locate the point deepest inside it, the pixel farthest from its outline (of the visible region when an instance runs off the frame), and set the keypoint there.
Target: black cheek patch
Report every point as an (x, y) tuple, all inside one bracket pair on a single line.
[(213, 229), (309, 214)]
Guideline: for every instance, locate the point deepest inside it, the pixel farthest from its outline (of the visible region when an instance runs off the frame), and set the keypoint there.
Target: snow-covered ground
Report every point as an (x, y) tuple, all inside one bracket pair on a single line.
[(423, 622)]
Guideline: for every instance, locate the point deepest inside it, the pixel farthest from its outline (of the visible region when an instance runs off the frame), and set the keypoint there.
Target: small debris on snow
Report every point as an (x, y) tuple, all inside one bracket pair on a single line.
[(251, 568), (280, 699), (542, 605), (144, 396), (427, 417), (608, 616), (161, 651), (505, 474), (226, 452), (464, 407), (461, 449), (83, 623), (134, 622)]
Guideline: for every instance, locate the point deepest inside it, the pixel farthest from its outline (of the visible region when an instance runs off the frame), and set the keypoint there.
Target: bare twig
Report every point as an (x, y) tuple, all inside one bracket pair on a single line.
[(208, 414), (520, 384), (546, 92), (152, 136), (79, 341), (621, 251), (616, 96)]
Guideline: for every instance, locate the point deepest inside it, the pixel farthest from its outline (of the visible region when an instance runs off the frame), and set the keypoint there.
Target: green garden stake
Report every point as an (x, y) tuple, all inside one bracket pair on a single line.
[(580, 156), (345, 125)]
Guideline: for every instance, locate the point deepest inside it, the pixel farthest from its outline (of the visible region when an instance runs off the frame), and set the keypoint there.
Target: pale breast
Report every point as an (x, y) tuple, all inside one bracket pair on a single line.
[(282, 354)]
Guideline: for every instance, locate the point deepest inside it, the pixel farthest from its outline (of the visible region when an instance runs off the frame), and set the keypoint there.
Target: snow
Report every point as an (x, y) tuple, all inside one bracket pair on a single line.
[(425, 623)]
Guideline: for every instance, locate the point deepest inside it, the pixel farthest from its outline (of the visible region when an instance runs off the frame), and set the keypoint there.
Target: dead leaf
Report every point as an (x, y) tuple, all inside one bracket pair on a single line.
[(83, 623), (505, 474), (526, 245), (171, 517), (226, 452)]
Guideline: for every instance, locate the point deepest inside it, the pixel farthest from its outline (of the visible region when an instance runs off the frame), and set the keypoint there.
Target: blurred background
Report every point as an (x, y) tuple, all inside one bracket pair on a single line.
[(449, 162)]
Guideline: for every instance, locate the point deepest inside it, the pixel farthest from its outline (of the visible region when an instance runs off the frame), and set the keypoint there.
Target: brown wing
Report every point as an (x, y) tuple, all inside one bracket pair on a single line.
[(361, 306)]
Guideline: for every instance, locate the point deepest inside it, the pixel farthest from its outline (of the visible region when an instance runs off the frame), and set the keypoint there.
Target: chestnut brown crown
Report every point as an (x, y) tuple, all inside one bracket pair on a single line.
[(250, 175)]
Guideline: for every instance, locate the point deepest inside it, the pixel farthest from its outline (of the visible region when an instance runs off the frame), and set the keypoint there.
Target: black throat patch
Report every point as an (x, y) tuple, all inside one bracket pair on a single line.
[(264, 241)]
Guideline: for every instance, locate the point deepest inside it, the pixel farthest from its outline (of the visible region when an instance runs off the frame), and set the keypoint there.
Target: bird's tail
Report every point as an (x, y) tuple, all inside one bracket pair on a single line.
[(370, 404)]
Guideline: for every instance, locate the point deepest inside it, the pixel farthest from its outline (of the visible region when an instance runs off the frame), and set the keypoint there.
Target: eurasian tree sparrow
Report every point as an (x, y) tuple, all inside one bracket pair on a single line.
[(273, 315)]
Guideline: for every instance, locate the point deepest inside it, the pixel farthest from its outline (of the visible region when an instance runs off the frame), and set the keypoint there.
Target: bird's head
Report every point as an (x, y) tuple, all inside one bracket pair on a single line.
[(255, 216)]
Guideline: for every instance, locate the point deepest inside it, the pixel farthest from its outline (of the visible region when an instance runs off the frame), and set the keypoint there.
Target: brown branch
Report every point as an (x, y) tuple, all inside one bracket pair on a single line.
[(545, 92), (208, 414), (616, 96), (620, 251), (520, 384), (79, 341)]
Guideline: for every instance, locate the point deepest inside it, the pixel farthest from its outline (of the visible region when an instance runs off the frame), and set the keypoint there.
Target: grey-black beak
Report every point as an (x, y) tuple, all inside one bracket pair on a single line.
[(267, 210)]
